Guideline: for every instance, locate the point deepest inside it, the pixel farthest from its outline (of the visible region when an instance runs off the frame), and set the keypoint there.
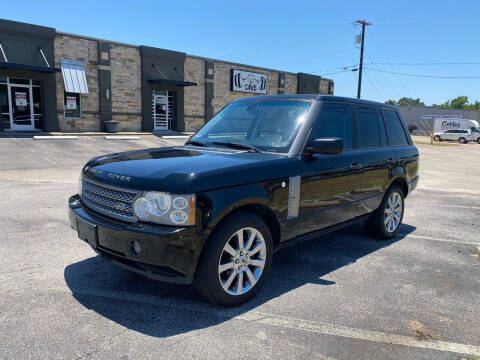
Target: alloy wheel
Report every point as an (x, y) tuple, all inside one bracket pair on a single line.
[(393, 212), (242, 261)]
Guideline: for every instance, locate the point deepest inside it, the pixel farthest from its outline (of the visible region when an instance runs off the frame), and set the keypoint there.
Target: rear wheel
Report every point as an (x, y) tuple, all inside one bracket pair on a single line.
[(235, 261), (462, 140), (385, 222), (437, 138)]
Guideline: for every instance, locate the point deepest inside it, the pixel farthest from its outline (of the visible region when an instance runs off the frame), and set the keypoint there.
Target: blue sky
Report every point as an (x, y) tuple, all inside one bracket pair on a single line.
[(307, 36)]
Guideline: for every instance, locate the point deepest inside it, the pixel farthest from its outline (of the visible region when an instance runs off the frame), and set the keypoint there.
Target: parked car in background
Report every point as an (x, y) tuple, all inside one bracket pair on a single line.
[(462, 136), (264, 173)]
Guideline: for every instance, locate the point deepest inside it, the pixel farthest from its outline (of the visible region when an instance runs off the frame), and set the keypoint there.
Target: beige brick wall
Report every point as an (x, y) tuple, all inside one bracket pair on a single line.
[(324, 86), (194, 96), (125, 83), (126, 86), (290, 83), (85, 50), (222, 92)]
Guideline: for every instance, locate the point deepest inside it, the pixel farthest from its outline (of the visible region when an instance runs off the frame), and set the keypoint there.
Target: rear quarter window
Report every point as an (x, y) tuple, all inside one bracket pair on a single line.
[(395, 131)]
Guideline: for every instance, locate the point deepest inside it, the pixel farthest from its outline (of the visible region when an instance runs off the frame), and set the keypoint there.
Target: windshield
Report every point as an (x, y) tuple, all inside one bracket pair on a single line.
[(269, 126)]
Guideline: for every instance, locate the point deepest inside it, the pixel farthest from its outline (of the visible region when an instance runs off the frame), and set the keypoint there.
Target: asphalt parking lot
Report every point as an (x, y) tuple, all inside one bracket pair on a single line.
[(342, 296)]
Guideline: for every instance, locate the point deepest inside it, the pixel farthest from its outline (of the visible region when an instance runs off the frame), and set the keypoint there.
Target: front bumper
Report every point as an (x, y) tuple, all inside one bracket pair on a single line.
[(168, 253)]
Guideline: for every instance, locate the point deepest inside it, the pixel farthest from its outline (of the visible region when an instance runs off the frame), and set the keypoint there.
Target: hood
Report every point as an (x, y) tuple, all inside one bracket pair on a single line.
[(188, 169)]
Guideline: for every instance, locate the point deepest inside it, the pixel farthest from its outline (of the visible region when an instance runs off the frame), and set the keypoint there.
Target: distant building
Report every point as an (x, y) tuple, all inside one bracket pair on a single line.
[(415, 114), (52, 81)]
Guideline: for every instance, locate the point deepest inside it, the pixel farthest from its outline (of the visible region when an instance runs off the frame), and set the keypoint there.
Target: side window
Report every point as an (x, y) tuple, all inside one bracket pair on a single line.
[(72, 106), (368, 131), (395, 131), (334, 120)]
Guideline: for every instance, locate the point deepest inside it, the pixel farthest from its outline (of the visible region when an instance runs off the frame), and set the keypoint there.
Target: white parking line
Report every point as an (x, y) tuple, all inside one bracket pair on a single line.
[(56, 137), (50, 161), (438, 239), (119, 137), (282, 321), (459, 206)]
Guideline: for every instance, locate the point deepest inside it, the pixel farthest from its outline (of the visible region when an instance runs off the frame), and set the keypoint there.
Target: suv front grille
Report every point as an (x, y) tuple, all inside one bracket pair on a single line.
[(109, 200)]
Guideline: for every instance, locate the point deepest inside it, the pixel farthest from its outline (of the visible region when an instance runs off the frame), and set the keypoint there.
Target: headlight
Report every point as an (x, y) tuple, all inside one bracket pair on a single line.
[(164, 208), (80, 186)]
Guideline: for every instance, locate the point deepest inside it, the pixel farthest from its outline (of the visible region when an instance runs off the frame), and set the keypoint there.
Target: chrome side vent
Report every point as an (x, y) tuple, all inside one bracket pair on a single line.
[(293, 196)]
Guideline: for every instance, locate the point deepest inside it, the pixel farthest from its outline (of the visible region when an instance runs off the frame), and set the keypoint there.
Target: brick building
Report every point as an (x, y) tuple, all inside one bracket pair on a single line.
[(50, 80)]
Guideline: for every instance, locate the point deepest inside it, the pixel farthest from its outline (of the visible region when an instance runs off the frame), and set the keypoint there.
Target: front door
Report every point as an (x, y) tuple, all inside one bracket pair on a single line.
[(160, 113), (330, 183), (21, 112)]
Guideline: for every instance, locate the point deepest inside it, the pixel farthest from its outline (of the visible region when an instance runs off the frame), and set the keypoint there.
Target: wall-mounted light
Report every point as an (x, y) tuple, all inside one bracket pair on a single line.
[(211, 102), (107, 94)]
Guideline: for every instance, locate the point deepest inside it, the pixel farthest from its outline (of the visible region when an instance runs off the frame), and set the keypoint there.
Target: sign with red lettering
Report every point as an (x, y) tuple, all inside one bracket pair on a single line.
[(20, 99)]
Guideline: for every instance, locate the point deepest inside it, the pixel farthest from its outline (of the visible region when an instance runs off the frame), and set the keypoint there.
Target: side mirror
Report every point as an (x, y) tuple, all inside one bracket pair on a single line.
[(325, 146)]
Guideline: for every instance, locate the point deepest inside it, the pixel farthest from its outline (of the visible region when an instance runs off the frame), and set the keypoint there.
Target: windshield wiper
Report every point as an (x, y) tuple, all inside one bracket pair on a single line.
[(237, 145), (195, 142)]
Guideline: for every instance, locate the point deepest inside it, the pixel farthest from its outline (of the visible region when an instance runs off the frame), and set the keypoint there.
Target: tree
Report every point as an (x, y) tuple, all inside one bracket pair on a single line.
[(459, 102), (405, 101)]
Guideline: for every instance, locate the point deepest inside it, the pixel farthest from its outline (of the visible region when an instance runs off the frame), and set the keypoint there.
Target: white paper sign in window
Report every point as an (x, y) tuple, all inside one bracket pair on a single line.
[(20, 98), (247, 81), (71, 102)]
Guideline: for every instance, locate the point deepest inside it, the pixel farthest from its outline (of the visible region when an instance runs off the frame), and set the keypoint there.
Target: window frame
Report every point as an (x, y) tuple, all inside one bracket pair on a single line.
[(406, 133), (65, 105), (353, 121)]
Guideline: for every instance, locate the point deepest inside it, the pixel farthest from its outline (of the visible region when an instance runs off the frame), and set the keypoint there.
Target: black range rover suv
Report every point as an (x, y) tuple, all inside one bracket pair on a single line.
[(264, 173)]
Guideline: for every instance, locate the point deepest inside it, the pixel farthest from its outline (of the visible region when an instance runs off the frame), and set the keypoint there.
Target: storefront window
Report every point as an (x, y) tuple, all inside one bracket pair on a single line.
[(19, 81), (72, 105), (4, 110)]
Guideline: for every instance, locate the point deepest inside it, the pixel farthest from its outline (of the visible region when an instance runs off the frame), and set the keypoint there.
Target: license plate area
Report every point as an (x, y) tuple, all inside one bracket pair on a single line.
[(87, 232)]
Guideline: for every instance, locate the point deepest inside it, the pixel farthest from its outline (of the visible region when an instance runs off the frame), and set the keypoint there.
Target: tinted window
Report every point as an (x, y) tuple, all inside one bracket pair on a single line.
[(368, 134), (334, 120), (395, 131)]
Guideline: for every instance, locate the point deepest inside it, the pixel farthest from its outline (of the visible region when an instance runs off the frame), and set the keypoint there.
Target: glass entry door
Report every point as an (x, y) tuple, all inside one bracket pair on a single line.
[(160, 112), (21, 112)]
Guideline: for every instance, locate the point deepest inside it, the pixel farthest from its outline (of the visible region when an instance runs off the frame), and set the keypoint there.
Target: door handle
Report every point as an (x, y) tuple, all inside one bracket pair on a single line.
[(355, 166)]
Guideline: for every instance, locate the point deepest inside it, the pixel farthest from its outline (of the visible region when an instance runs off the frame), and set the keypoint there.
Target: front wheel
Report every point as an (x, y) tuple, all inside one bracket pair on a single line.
[(385, 222), (235, 261), (437, 138), (462, 140)]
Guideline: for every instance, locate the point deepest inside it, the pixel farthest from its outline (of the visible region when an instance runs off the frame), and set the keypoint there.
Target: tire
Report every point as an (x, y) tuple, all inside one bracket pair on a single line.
[(239, 265), (462, 140), (437, 138), (377, 224), (478, 140)]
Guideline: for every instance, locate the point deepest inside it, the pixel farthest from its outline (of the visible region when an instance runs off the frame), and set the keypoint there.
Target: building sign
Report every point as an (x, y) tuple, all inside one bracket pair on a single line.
[(71, 102), (247, 81), (457, 116), (20, 99)]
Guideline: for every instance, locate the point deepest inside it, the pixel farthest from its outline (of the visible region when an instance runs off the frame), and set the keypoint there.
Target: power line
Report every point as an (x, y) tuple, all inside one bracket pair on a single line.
[(427, 64), (346, 68), (386, 80), (425, 76), (377, 44), (373, 85)]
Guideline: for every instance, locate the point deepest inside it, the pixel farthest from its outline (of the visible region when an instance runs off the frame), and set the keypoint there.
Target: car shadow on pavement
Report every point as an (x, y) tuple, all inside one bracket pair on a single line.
[(161, 310)]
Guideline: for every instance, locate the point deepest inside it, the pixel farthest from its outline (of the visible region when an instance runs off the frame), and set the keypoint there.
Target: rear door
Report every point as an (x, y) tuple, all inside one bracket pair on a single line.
[(329, 183), (376, 157)]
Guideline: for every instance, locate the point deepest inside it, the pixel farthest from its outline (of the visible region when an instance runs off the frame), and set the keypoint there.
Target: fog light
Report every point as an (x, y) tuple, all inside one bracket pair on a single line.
[(135, 247)]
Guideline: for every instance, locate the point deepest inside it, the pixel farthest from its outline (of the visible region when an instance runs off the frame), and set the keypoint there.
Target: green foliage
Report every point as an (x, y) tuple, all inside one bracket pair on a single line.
[(405, 101), (461, 102)]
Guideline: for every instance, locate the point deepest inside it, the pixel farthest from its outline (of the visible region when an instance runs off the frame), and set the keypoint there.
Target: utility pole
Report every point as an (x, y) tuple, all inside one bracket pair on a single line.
[(363, 23)]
